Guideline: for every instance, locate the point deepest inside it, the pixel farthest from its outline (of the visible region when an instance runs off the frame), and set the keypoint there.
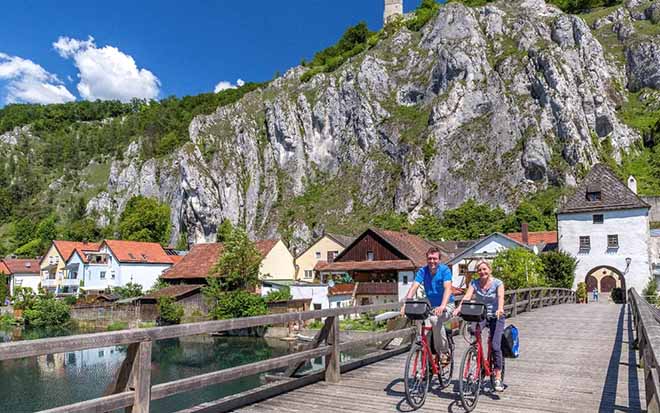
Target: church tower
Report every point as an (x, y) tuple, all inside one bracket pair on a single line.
[(393, 8)]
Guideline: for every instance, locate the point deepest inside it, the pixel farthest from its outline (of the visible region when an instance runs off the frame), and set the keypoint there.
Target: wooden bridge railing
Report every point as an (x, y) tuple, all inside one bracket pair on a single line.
[(132, 388), (647, 340)]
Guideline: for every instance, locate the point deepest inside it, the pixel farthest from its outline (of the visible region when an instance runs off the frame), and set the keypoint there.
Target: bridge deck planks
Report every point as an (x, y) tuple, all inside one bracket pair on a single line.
[(575, 358)]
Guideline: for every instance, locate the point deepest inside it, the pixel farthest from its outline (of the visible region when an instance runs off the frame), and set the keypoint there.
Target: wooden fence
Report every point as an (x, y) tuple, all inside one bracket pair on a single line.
[(132, 388), (647, 340)]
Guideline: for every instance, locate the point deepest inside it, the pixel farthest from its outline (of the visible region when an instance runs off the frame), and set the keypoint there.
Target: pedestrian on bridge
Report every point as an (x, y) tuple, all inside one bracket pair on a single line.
[(595, 294)]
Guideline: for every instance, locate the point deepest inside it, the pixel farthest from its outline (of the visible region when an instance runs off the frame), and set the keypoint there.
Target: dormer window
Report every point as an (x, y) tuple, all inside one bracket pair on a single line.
[(594, 193)]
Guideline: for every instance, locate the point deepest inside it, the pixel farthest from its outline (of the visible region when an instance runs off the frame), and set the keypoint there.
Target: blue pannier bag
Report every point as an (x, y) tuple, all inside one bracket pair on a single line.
[(510, 342)]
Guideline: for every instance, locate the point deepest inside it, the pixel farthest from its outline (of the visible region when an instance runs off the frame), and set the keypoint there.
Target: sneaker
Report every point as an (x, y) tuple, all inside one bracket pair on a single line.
[(445, 360), (498, 385)]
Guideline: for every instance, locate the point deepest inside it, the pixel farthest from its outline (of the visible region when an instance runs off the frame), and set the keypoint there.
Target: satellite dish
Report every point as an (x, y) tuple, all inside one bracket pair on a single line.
[(331, 283)]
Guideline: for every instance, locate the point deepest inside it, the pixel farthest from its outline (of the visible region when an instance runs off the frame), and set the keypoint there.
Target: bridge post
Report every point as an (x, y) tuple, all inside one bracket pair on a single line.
[(332, 367), (514, 304), (143, 379), (541, 298), (529, 300)]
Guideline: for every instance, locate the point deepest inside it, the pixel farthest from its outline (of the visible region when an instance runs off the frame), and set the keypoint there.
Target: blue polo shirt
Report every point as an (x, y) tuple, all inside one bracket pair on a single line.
[(434, 284)]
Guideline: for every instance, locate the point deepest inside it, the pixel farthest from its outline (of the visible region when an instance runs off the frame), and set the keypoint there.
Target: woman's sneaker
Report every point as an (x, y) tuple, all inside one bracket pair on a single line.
[(498, 385)]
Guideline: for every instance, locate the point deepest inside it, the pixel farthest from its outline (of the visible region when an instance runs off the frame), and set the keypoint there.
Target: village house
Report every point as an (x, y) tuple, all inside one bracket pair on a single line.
[(116, 263), (324, 250), (22, 273), (381, 265), (606, 226), (464, 263), (54, 276), (188, 295), (195, 267)]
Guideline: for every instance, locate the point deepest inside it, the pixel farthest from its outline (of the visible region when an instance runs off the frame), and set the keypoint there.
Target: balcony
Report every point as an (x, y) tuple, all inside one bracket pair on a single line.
[(48, 282), (70, 282)]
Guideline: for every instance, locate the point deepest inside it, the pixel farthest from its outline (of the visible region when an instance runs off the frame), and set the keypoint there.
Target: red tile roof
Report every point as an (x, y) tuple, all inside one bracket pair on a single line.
[(138, 252), (201, 259), (409, 245), (176, 258), (535, 238), (65, 248), (4, 269), (384, 265), (22, 266), (174, 291)]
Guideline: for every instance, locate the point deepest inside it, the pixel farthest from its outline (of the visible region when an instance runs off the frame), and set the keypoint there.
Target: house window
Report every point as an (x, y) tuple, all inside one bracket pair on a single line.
[(593, 196), (370, 255), (332, 255), (585, 244), (112, 274), (405, 280), (103, 275), (598, 219), (317, 306), (613, 241), (309, 273), (318, 255)]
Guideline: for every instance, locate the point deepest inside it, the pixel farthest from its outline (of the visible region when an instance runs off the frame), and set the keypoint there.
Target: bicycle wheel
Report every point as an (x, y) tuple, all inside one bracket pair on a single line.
[(469, 384), (417, 377), (446, 372)]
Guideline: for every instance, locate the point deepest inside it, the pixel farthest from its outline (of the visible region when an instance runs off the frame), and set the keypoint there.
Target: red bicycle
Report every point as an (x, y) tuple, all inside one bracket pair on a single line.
[(475, 365), (422, 363)]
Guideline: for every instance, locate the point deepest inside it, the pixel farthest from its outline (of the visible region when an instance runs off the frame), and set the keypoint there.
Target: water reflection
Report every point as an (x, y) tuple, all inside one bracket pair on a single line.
[(53, 380)]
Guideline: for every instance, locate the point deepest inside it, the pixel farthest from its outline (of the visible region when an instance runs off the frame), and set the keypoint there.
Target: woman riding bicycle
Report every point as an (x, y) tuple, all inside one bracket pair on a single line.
[(490, 292)]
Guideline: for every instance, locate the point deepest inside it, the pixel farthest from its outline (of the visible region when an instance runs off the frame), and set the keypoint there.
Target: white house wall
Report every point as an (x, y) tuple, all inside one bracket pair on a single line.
[(632, 228), (26, 281), (317, 293), (406, 278)]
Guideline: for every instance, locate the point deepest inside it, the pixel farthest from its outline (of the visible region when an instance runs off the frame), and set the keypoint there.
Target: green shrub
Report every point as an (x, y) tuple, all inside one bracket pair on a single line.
[(651, 291), (7, 321), (559, 268), (519, 268), (238, 304), (24, 298), (279, 295), (71, 300), (170, 312), (581, 292), (618, 295), (118, 325), (130, 290), (47, 312), (427, 10), (365, 322), (147, 324)]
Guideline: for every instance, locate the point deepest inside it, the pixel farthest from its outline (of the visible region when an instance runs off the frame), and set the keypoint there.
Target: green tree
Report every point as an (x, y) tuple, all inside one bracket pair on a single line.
[(4, 287), (130, 290), (559, 268), (47, 311), (158, 285), (426, 10), (519, 268), (24, 298), (170, 312), (235, 304), (651, 291), (145, 219), (283, 294), (391, 221), (224, 230), (238, 265)]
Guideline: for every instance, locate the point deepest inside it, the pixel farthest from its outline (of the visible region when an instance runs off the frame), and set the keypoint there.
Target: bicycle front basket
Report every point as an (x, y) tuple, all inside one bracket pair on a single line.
[(417, 309), (473, 311)]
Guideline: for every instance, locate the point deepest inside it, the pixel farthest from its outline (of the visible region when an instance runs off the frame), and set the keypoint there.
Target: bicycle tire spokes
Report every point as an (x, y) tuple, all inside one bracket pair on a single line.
[(470, 380), (417, 377)]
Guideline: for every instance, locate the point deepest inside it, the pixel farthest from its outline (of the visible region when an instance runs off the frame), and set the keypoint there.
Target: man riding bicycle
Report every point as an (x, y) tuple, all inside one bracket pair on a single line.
[(436, 278)]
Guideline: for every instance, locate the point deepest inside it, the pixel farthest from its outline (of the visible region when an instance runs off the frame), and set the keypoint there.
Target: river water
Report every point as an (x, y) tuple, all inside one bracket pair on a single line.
[(37, 383)]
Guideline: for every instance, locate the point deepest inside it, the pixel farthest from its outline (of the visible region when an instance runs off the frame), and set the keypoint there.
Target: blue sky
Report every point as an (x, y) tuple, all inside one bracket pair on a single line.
[(162, 48)]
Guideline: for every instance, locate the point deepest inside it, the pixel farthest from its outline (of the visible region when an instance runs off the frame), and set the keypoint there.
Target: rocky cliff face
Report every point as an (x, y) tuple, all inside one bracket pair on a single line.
[(488, 103)]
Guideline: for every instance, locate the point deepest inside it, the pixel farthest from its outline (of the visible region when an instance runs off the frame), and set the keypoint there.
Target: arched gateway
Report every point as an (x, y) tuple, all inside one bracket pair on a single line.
[(604, 278)]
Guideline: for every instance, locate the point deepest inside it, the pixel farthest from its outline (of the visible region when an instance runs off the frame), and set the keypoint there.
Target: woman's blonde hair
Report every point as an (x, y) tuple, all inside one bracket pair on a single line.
[(486, 263)]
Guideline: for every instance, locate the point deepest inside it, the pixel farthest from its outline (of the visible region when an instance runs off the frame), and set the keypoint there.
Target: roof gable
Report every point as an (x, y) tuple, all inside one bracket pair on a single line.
[(614, 194), (65, 248), (494, 237)]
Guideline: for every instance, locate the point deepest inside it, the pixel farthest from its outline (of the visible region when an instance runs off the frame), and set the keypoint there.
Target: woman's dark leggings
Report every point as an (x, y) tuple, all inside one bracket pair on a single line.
[(496, 329)]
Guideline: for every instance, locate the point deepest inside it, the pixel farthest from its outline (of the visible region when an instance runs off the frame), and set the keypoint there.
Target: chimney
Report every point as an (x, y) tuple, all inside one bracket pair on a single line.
[(632, 183), (525, 233)]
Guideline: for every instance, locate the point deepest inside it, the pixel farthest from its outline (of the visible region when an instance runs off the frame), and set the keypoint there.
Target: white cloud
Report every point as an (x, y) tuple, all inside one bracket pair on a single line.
[(28, 82), (224, 85), (107, 73)]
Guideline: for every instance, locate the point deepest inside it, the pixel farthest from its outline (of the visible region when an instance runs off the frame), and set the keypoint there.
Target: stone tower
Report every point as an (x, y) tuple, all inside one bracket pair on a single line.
[(392, 8)]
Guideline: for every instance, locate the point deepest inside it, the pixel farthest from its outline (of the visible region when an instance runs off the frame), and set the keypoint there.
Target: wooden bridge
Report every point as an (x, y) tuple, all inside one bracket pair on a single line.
[(574, 358)]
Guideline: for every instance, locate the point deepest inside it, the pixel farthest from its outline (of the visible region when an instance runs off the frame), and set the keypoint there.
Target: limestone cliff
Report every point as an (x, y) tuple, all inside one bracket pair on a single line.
[(488, 103)]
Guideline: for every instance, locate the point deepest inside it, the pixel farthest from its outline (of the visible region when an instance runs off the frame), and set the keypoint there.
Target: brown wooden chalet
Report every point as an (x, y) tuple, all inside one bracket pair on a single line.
[(380, 262)]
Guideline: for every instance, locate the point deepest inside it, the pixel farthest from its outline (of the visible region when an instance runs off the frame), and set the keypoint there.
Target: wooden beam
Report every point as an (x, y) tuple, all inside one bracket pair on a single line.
[(142, 379), (120, 382), (160, 391), (376, 337), (101, 404), (332, 367), (319, 338)]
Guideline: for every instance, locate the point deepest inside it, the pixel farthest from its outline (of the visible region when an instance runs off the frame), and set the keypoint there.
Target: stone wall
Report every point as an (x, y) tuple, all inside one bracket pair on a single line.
[(654, 213), (101, 316)]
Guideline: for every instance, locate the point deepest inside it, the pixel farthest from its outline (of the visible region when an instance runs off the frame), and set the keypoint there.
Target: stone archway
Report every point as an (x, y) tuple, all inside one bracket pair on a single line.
[(592, 283), (606, 278)]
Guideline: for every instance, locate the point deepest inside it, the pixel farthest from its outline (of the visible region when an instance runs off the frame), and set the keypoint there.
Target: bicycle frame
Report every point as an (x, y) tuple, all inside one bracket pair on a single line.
[(483, 363), (426, 352)]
